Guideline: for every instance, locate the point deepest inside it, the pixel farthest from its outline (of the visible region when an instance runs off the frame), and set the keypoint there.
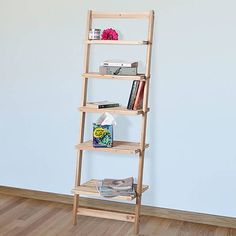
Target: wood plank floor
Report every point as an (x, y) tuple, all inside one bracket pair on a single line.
[(26, 217)]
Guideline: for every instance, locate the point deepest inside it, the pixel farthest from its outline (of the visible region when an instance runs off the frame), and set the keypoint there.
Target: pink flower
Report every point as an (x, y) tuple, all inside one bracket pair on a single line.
[(109, 34)]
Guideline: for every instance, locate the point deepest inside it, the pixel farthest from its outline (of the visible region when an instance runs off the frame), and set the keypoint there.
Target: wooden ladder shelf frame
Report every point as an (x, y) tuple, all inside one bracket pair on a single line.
[(86, 75)]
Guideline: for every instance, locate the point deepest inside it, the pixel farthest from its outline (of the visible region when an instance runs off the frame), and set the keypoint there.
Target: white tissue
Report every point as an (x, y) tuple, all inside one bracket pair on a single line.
[(106, 119)]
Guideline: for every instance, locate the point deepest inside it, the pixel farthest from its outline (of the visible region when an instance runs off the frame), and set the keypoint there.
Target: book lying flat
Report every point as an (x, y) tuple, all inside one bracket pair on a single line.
[(120, 63), (102, 104), (116, 187), (110, 192), (119, 184)]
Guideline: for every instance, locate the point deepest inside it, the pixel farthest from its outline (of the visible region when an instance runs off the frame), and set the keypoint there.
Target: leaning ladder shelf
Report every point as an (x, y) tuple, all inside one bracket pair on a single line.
[(121, 147)]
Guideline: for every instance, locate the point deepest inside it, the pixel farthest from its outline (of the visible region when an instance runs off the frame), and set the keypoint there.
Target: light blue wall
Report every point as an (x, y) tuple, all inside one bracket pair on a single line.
[(191, 164)]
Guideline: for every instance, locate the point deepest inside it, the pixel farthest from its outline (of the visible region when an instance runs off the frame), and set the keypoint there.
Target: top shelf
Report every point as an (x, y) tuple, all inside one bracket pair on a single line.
[(118, 42), (127, 15)]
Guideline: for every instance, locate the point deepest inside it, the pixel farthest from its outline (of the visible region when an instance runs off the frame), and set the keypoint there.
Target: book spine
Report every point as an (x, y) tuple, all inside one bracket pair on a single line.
[(138, 103), (130, 95), (135, 64), (133, 93), (108, 105)]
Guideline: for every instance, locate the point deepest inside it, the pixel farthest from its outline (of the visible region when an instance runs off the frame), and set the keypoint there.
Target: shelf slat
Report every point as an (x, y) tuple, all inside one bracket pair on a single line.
[(89, 189), (96, 75), (83, 211), (118, 42), (116, 110), (118, 147), (128, 15)]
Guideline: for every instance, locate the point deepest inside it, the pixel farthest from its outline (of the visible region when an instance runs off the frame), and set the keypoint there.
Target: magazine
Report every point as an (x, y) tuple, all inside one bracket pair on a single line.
[(116, 187), (119, 184)]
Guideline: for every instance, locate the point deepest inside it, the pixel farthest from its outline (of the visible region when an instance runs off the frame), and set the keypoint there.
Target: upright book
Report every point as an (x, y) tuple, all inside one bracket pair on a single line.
[(133, 93), (138, 102)]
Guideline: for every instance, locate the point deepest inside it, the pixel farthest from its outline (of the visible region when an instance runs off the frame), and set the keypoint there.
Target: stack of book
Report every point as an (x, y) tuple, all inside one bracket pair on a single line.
[(136, 95), (116, 187), (114, 67)]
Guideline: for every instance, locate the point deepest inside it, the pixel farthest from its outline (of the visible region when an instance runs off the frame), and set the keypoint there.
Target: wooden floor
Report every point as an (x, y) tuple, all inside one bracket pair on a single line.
[(23, 217)]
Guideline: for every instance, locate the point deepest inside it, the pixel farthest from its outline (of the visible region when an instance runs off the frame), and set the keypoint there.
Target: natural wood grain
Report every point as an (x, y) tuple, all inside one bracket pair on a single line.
[(31, 217), (166, 213), (82, 116), (33, 194), (129, 15), (144, 124), (96, 75), (115, 110), (89, 188), (106, 214), (118, 42), (121, 147)]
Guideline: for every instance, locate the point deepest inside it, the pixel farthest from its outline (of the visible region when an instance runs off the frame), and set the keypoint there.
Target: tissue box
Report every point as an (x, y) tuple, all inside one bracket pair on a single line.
[(102, 135)]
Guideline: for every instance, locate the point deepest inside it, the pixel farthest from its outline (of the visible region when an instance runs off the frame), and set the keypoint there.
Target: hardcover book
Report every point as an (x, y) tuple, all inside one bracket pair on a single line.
[(138, 103), (133, 93), (102, 104), (119, 63)]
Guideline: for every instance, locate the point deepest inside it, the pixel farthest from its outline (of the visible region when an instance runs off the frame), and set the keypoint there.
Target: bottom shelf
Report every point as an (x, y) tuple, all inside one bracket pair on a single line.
[(89, 188)]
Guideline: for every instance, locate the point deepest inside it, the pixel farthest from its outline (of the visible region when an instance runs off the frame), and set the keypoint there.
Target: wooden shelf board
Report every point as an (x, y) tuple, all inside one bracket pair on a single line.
[(116, 110), (96, 75), (118, 147), (128, 15), (118, 42), (89, 189), (84, 211)]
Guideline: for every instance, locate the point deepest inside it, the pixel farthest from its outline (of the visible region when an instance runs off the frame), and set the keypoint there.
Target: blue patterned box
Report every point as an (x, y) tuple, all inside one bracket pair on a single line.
[(102, 135)]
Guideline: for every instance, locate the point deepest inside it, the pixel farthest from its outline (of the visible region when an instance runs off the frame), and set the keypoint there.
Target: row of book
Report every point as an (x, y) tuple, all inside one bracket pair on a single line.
[(135, 98), (114, 67), (136, 95), (116, 187)]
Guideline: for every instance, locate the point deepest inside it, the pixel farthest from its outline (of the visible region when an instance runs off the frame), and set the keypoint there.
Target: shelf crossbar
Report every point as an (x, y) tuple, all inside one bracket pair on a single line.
[(84, 211), (96, 75), (127, 15), (115, 110), (89, 188), (120, 147), (118, 42)]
